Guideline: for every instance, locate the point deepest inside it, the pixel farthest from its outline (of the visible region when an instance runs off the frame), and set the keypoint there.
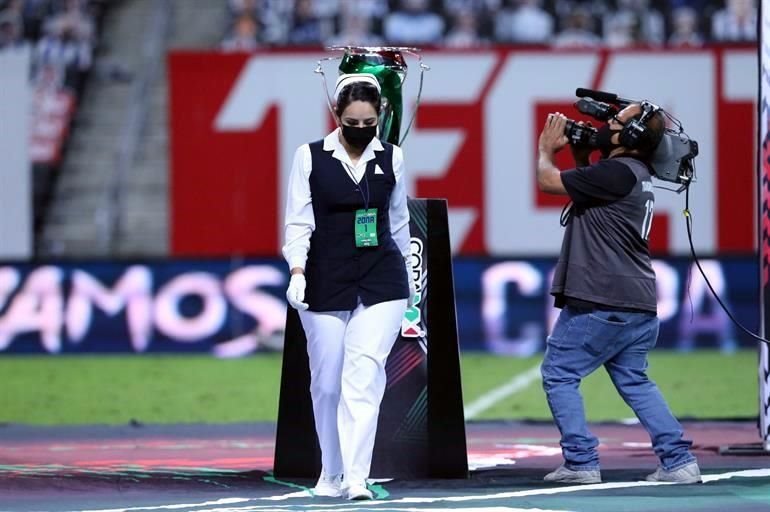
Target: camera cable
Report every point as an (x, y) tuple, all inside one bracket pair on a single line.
[(688, 222)]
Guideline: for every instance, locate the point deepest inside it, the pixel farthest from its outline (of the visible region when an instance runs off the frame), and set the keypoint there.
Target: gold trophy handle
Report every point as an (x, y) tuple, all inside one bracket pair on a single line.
[(320, 71), (423, 69)]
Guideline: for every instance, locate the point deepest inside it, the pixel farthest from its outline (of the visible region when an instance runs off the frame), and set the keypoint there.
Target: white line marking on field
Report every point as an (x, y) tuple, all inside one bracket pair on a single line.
[(750, 473), (330, 507), (297, 494), (746, 473), (366, 506), (513, 386), (222, 501)]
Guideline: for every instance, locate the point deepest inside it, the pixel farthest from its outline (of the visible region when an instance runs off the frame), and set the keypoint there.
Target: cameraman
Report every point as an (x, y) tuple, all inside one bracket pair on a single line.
[(605, 286)]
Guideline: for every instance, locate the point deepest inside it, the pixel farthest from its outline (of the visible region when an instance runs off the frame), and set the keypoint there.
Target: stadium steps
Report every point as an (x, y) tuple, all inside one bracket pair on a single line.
[(144, 230), (72, 225)]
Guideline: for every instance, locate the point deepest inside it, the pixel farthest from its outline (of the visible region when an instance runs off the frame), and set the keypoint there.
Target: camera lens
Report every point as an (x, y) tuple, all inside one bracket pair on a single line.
[(580, 135)]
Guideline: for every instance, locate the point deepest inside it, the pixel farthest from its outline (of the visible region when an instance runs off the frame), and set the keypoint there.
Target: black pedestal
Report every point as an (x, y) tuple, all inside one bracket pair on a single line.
[(421, 429)]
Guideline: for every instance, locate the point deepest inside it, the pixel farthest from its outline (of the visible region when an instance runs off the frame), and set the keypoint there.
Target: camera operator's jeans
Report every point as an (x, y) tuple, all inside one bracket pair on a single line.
[(584, 340)]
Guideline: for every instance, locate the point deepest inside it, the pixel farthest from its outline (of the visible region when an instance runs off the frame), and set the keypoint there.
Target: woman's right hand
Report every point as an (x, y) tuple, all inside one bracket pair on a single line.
[(295, 294)]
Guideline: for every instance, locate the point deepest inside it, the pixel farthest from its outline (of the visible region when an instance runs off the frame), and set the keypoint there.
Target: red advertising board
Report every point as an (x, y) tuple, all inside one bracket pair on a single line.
[(236, 120)]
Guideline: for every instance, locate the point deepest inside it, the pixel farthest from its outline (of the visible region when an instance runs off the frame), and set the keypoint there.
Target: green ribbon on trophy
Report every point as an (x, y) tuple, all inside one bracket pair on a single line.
[(388, 64)]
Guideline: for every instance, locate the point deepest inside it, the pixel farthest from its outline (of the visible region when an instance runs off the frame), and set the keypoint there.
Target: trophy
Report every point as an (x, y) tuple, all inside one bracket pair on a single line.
[(388, 64)]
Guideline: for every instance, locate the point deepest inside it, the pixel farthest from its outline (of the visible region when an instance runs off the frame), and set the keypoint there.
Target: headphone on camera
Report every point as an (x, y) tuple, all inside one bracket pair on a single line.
[(636, 134)]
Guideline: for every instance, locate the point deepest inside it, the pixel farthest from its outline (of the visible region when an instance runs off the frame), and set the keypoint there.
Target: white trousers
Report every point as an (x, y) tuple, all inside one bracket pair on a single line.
[(347, 352)]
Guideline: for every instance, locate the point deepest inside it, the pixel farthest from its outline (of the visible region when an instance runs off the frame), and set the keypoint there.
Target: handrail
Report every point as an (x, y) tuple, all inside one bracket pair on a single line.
[(108, 217)]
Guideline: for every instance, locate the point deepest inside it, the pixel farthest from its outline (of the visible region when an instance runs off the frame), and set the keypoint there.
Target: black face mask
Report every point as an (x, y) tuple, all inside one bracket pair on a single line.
[(604, 140), (357, 137)]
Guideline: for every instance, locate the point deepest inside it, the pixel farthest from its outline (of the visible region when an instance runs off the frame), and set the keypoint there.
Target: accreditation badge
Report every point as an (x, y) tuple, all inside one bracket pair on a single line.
[(366, 228)]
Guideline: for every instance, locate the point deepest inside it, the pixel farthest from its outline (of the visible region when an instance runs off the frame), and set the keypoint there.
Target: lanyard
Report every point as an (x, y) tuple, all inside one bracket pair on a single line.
[(359, 187)]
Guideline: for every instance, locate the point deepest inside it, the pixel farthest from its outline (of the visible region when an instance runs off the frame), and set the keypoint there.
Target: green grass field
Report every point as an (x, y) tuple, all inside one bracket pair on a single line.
[(200, 389)]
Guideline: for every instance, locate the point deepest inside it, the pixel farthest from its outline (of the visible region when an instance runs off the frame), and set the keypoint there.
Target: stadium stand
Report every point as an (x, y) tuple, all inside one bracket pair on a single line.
[(473, 23), (112, 196), (63, 35), (99, 138)]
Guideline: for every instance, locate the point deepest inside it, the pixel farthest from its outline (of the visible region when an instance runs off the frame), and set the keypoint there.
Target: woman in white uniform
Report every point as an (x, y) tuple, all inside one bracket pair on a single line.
[(347, 245)]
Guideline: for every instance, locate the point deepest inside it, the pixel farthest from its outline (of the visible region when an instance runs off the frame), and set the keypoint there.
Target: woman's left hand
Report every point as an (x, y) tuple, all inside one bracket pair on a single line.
[(295, 294)]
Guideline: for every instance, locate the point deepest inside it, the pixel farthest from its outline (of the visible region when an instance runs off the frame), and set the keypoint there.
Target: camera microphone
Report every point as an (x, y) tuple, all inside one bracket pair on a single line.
[(604, 96), (596, 109)]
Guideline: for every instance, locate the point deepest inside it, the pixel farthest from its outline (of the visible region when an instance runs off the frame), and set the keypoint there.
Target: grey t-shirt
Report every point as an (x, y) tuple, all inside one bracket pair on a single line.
[(604, 260)]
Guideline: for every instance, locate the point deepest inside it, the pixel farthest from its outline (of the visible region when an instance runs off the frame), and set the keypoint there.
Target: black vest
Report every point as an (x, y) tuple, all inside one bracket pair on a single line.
[(339, 273), (604, 257)]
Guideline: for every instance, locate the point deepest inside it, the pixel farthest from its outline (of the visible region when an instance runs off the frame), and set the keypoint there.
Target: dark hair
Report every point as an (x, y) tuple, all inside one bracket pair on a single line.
[(656, 127), (653, 134), (357, 91)]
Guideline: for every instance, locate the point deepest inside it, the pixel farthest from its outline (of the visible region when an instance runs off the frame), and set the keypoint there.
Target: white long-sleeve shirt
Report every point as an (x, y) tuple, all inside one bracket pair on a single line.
[(300, 219)]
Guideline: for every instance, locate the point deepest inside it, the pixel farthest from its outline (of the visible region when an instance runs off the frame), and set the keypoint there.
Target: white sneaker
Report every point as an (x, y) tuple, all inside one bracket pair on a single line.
[(687, 474), (328, 485), (564, 475), (359, 492)]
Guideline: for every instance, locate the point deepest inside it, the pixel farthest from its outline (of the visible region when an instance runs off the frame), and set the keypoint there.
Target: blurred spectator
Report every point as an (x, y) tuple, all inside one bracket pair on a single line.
[(10, 33), (34, 13), (51, 110), (48, 80), (273, 17), (248, 7), (637, 16), (12, 10), (577, 31), (684, 23), (306, 26), (525, 22), (623, 30), (75, 14), (699, 6), (244, 36), (483, 10), (331, 13), (414, 23), (373, 9), (595, 8), (355, 30), (13, 7), (326, 9), (66, 50), (476, 6), (464, 32), (736, 22)]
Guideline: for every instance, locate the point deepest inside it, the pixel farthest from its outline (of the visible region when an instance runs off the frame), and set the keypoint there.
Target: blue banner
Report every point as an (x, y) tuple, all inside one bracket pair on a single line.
[(231, 308)]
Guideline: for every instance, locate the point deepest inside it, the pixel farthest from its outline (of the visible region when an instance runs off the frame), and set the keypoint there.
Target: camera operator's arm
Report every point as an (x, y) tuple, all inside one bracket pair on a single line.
[(581, 156), (552, 139)]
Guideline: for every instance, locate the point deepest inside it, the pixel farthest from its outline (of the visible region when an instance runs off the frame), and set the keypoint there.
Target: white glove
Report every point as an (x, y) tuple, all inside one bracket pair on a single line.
[(412, 285), (295, 294)]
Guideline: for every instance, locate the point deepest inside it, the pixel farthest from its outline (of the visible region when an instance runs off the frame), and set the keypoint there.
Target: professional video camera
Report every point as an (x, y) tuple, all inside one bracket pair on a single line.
[(673, 158)]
